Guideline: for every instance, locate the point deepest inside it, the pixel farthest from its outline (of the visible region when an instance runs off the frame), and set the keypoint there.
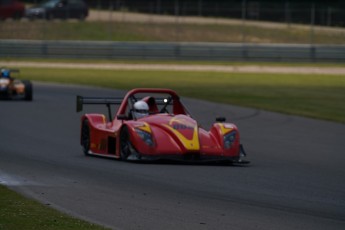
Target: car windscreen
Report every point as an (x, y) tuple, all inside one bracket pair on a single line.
[(49, 3), (158, 103)]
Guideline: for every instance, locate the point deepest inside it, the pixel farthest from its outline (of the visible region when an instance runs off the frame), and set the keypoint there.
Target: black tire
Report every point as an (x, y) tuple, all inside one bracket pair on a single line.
[(17, 16), (82, 17), (125, 144), (49, 16), (85, 137), (28, 90), (9, 94)]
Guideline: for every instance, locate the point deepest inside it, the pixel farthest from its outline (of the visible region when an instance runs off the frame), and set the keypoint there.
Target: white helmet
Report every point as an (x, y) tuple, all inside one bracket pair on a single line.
[(141, 109)]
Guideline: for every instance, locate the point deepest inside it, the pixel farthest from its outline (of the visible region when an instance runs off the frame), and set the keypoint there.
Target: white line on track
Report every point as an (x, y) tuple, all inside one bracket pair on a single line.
[(179, 67)]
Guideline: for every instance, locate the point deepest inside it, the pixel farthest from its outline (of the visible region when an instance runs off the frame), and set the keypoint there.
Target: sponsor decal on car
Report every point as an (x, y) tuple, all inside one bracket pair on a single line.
[(178, 126)]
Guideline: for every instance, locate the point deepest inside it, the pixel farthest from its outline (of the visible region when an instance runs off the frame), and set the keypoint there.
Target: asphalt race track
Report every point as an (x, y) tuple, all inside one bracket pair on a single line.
[(296, 179)]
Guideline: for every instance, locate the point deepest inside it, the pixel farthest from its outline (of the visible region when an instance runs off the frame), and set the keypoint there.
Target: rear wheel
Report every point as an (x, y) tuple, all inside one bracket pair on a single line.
[(49, 16), (8, 94), (82, 16), (85, 137), (17, 15)]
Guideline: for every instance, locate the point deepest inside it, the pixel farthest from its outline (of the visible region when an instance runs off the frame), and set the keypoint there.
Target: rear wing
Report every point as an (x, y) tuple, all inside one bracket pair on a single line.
[(14, 70), (11, 70), (98, 101)]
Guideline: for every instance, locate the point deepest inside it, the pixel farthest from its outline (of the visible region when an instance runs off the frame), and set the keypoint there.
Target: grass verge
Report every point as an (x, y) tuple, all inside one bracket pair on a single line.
[(18, 212), (315, 96), (18, 60), (167, 32)]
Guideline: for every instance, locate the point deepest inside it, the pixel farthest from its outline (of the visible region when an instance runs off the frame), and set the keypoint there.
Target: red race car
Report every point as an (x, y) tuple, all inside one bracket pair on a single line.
[(11, 9), (153, 124)]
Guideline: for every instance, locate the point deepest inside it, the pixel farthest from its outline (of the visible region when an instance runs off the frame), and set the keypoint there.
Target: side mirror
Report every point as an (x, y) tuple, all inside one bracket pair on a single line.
[(61, 3), (122, 117), (220, 119), (79, 103)]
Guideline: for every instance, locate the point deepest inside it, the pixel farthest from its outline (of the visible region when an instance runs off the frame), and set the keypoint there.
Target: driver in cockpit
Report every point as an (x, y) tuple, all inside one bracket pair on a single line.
[(141, 109)]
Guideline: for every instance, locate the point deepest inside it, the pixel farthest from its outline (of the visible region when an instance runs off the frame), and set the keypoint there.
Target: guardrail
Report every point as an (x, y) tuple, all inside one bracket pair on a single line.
[(171, 51)]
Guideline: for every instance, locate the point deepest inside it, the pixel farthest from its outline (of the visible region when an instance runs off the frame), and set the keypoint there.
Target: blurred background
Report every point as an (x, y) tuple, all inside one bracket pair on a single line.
[(309, 30), (259, 21)]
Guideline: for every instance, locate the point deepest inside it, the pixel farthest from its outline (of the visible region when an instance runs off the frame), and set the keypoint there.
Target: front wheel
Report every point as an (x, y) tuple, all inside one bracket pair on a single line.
[(126, 146), (28, 90), (49, 16), (82, 17), (85, 137), (17, 16)]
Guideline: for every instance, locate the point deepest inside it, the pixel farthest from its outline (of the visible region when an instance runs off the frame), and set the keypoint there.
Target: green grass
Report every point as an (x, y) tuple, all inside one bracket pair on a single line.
[(167, 32), (315, 96), (17, 212), (176, 62)]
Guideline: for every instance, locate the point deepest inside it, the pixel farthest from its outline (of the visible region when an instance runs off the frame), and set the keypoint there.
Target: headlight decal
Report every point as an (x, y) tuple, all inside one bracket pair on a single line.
[(145, 136), (143, 126), (229, 139)]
